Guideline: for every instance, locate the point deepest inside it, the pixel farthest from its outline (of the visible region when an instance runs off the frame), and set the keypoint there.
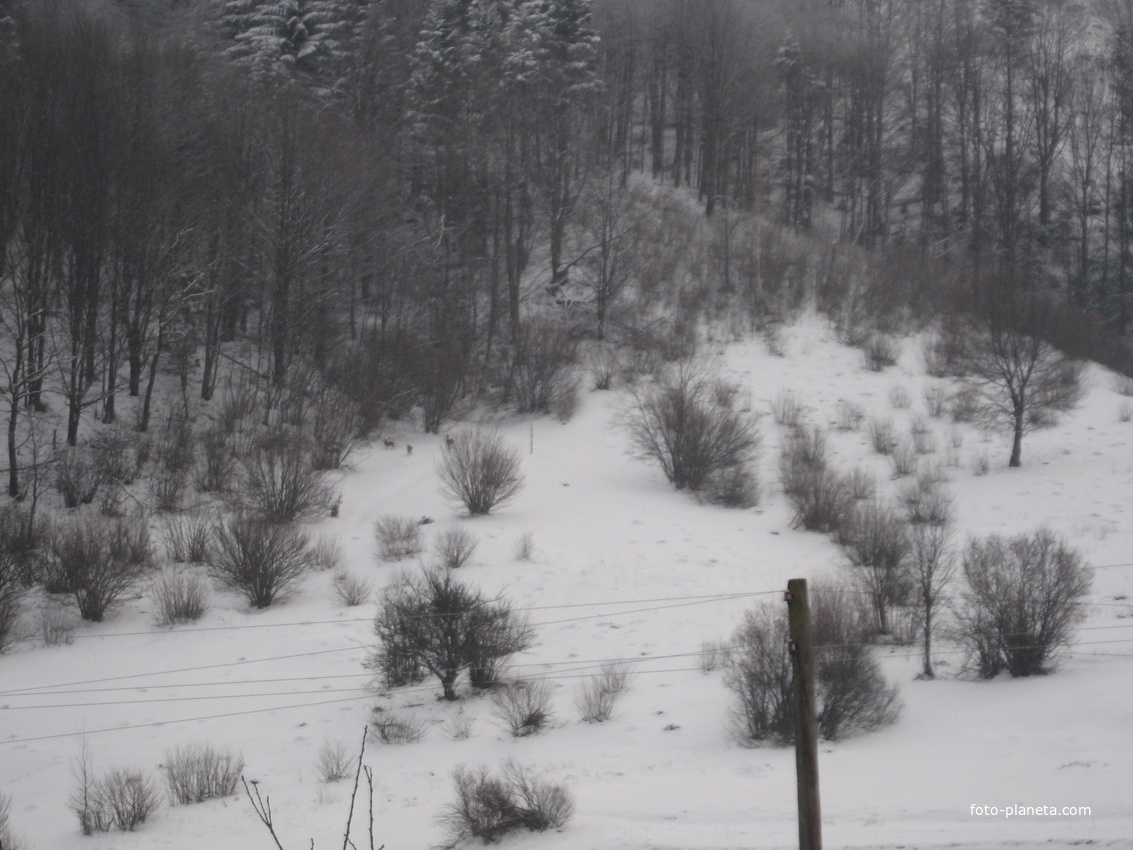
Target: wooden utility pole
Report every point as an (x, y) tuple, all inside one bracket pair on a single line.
[(806, 716)]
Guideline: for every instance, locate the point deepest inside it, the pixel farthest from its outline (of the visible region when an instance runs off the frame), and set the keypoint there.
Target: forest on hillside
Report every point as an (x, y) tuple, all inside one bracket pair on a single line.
[(382, 206)]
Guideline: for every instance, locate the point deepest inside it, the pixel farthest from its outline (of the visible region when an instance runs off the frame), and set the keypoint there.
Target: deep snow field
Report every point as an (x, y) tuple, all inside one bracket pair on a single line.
[(624, 567)]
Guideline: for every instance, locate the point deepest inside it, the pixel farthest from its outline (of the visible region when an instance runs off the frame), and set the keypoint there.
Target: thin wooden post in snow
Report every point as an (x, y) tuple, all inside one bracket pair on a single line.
[(805, 714)]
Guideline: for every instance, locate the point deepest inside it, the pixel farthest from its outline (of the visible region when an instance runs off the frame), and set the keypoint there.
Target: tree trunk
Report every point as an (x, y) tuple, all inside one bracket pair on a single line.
[(1017, 440), (928, 673), (448, 683)]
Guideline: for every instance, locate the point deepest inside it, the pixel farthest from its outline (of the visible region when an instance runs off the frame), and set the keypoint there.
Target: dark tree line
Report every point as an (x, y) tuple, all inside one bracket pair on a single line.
[(371, 190), (997, 130)]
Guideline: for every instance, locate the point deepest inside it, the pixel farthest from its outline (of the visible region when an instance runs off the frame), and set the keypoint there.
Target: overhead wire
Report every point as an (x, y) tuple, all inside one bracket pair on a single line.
[(704, 598), (695, 600)]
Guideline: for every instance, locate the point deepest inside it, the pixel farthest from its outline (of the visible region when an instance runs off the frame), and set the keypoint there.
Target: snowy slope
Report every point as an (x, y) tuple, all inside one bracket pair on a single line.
[(664, 773)]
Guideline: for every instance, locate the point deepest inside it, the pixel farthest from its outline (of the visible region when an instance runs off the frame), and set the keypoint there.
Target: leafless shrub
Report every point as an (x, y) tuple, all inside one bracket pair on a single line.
[(821, 500), (852, 695), (936, 400), (943, 351), (786, 410), (13, 584), (760, 676), (1123, 385), (525, 546), (326, 554), (565, 402), (861, 484), (9, 612), (689, 427), (258, 559), (112, 503), (882, 435), (280, 485), (904, 459), (174, 444), (334, 762), (198, 772), (924, 442), (167, 489), (981, 464), (238, 402), (397, 727), (524, 706), (926, 502), (542, 367), (398, 537), (880, 352), (819, 496), (460, 728), (22, 539), (113, 453), (129, 797), (1125, 412), (336, 431), (217, 465), (187, 537), (596, 696), (77, 477), (480, 470), (639, 362), (488, 807), (454, 547), (8, 839), (602, 363), (433, 622), (876, 545), (179, 596), (899, 397), (848, 415), (57, 626), (714, 654), (964, 406), (730, 487), (119, 799), (806, 446), (1023, 601), (350, 589), (98, 560)]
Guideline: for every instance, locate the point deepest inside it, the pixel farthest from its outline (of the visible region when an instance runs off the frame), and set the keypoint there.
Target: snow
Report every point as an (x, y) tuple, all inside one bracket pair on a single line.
[(621, 566)]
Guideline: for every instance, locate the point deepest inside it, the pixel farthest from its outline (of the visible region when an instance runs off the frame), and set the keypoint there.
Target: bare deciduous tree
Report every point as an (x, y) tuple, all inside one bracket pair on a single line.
[(932, 564), (1023, 381), (434, 622)]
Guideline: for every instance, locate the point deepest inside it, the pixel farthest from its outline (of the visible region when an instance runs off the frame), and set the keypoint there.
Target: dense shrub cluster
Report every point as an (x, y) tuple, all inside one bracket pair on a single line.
[(198, 772), (489, 806), (259, 559), (432, 623), (688, 423), (1023, 600), (480, 470), (852, 695), (97, 560)]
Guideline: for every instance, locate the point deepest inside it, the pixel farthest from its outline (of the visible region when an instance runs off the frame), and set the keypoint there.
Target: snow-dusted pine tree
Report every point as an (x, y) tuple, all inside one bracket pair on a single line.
[(287, 39)]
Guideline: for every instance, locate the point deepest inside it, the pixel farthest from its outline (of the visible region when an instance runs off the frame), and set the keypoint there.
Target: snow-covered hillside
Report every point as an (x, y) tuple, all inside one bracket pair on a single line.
[(623, 567)]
